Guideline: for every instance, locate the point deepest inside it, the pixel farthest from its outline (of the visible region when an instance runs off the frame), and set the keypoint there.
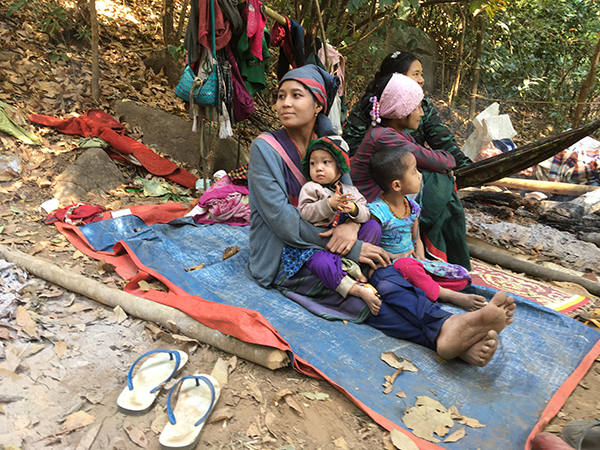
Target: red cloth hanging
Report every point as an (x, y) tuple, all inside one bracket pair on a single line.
[(222, 26)]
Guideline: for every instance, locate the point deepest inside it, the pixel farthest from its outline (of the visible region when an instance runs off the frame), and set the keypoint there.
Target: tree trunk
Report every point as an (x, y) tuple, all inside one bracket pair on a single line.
[(586, 86), (171, 66), (476, 71), (95, 60), (459, 65), (182, 17)]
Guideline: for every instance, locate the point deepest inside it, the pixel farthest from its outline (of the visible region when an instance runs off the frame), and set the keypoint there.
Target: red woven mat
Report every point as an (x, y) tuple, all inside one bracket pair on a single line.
[(535, 291)]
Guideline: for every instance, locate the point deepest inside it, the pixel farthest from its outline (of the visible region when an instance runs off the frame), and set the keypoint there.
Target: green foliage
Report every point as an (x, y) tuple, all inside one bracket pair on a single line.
[(177, 52), (540, 50), (54, 57), (52, 16), (17, 6), (84, 33)]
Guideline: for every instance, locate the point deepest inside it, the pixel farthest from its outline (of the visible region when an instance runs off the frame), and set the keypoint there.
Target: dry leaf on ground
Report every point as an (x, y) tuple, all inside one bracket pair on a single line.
[(398, 362), (270, 419), (136, 435), (456, 435), (401, 441), (219, 372), (253, 431), (279, 395), (104, 267), (388, 384), (341, 443), (74, 421), (315, 395), (24, 320), (425, 417), (255, 391), (470, 422), (221, 414), (293, 404), (120, 315), (60, 348)]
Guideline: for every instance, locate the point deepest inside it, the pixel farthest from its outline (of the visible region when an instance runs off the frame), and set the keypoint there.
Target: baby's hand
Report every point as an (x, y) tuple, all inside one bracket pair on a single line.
[(348, 206), (338, 199)]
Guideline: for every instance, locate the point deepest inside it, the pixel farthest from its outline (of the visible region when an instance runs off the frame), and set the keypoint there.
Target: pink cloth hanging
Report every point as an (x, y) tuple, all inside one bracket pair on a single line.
[(255, 26)]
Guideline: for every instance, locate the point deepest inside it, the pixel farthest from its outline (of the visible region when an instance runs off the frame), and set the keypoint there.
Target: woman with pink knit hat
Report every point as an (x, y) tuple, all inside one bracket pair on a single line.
[(395, 110)]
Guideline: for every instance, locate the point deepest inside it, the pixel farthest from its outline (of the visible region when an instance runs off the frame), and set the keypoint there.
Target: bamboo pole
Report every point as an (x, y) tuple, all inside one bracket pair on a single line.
[(269, 357), (551, 187), (272, 14)]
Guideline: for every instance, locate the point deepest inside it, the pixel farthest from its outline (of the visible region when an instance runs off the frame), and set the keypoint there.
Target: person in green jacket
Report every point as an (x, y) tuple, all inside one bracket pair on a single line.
[(442, 220), (431, 129)]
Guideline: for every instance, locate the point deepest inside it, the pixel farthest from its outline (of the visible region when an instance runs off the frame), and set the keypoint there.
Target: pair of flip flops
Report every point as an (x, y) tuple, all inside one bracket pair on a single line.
[(196, 398)]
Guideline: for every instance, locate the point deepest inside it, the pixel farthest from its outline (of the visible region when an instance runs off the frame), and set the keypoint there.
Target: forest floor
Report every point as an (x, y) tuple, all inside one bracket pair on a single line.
[(64, 357)]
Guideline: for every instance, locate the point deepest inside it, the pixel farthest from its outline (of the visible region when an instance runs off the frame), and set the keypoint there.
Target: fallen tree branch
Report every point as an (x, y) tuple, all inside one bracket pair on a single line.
[(549, 187), (269, 357), (533, 270)]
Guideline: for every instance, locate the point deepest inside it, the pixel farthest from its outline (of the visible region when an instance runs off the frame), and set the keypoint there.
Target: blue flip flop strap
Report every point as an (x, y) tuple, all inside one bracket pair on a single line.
[(197, 378), (171, 353)]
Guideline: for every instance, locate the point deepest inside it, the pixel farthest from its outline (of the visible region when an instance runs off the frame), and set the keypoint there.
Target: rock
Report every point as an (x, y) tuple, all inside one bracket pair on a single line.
[(93, 171), (173, 135)]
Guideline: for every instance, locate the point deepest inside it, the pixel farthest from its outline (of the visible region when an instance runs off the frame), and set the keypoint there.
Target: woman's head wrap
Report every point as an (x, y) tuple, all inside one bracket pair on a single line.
[(323, 86), (335, 145), (401, 96)]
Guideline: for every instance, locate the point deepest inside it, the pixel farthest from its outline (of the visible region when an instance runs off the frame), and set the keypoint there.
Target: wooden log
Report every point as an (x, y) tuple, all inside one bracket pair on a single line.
[(516, 265), (549, 187), (583, 205), (269, 357)]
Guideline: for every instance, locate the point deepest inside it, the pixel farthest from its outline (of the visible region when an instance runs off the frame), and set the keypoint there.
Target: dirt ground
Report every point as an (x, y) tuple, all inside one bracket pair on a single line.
[(76, 356)]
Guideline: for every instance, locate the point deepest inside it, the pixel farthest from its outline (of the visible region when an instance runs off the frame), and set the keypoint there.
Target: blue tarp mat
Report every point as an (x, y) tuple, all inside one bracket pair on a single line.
[(536, 354)]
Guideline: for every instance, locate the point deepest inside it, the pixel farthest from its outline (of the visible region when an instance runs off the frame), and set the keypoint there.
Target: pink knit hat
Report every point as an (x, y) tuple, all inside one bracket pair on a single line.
[(401, 96)]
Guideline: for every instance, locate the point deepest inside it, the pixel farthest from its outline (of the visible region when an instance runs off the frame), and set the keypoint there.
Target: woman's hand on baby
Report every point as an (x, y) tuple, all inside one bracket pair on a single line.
[(343, 238), (374, 256)]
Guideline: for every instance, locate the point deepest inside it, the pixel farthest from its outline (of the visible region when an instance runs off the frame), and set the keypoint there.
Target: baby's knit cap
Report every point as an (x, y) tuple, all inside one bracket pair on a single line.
[(401, 96), (333, 144)]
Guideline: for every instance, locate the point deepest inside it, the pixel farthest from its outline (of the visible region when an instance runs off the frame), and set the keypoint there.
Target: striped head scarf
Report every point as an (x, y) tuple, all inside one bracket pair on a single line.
[(323, 86)]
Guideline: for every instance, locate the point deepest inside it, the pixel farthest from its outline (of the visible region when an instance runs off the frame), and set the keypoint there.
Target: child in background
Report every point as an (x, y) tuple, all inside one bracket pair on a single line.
[(394, 169), (325, 201)]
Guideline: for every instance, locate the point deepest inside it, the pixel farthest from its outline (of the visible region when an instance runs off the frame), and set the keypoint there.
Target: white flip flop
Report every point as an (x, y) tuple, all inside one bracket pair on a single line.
[(141, 391), (196, 399)]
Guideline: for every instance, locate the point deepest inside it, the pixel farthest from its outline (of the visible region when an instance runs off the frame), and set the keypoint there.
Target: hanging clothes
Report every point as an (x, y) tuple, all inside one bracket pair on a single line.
[(222, 26), (252, 69), (243, 105), (255, 26), (338, 64), (290, 38), (232, 14)]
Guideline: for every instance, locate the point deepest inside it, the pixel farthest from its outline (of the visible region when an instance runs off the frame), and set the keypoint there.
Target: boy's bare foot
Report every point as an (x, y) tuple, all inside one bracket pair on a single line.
[(462, 331), (369, 296), (481, 353), (470, 302)]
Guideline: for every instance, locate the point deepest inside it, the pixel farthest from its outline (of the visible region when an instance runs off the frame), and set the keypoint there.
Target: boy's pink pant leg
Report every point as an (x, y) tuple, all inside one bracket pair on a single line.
[(412, 271)]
